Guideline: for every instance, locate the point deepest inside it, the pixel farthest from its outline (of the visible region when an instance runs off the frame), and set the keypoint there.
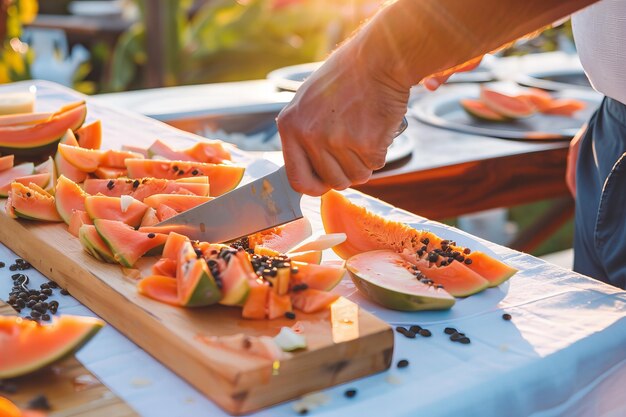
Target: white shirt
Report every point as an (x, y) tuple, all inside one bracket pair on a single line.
[(600, 34)]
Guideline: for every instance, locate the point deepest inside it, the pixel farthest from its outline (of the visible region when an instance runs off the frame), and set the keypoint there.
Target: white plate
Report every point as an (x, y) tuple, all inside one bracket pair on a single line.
[(555, 80)]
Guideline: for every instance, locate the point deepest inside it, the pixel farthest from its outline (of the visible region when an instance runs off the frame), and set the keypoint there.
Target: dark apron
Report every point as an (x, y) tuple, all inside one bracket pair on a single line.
[(600, 236)]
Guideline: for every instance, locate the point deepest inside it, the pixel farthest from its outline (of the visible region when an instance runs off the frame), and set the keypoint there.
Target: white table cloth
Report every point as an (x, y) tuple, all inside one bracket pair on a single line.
[(562, 354)]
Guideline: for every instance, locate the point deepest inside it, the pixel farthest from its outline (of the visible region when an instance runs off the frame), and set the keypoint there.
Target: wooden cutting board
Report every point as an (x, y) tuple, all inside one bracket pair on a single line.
[(343, 343), (71, 390)]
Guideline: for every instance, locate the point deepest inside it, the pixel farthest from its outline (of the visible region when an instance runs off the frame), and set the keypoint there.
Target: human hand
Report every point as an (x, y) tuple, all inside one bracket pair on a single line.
[(572, 159), (437, 80), (336, 130)]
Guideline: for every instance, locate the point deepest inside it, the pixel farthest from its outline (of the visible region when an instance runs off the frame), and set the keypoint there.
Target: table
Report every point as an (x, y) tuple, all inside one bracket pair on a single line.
[(433, 182), (562, 354)]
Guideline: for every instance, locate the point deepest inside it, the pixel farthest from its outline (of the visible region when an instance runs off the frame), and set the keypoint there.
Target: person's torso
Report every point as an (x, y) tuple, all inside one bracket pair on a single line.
[(600, 34)]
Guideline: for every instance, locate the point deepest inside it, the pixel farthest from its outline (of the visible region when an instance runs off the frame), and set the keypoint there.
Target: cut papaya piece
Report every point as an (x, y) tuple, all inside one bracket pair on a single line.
[(222, 177), (149, 218), (385, 277), (234, 279), (42, 137), (9, 175), (90, 135), (48, 167), (109, 172), (68, 198), (137, 149), (20, 119), (365, 231), (37, 188), (210, 151), (178, 202), (278, 305), (319, 277), (77, 219), (6, 162), (163, 150), (309, 257), (126, 243), (63, 167), (514, 107), (8, 409), (320, 242), (256, 303), (160, 288), (312, 301), (125, 209), (86, 160), (165, 267), (142, 187), (541, 99), (41, 180), (173, 246), (116, 158), (479, 110), (564, 107), (282, 238), (456, 278), (32, 205), (28, 346), (8, 208), (196, 285), (164, 212), (92, 242)]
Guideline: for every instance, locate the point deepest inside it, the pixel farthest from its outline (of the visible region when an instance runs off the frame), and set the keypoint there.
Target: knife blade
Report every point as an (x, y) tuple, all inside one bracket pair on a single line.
[(266, 202)]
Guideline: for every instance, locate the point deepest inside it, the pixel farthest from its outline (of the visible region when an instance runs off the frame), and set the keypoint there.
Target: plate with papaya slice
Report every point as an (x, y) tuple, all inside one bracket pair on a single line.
[(509, 111)]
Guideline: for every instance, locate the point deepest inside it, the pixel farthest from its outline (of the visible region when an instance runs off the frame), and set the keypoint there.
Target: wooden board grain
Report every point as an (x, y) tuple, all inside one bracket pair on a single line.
[(71, 389), (345, 344)]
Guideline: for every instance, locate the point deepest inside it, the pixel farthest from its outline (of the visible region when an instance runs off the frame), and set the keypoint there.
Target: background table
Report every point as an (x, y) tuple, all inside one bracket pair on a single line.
[(562, 353)]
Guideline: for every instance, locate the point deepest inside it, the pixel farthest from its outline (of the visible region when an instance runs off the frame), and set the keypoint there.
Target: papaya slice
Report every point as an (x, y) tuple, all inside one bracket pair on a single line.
[(283, 238), (33, 205), (41, 180), (541, 99), (278, 305), (77, 219), (319, 277), (19, 119), (165, 267), (90, 135), (94, 245), (234, 279), (6, 162), (309, 257), (28, 346), (178, 202), (162, 149), (385, 278), (513, 107), (209, 151), (125, 209), (109, 172), (126, 243), (63, 167), (69, 197), (479, 110), (9, 175), (141, 188), (256, 303), (173, 245), (48, 167), (115, 158), (164, 212), (312, 301), (222, 177), (564, 107), (38, 138), (85, 160), (160, 288), (149, 218), (320, 242), (196, 284)]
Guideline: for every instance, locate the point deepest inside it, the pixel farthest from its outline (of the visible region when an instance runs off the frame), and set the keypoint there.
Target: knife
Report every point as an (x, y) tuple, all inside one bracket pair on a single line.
[(266, 202)]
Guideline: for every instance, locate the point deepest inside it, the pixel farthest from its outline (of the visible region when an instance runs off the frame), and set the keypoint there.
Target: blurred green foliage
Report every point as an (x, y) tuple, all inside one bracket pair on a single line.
[(15, 56), (228, 40)]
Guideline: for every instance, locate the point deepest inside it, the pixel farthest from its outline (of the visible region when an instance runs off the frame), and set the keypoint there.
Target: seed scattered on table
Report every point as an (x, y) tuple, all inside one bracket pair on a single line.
[(425, 333), (405, 332), (464, 340), (40, 402), (450, 330), (506, 316), (303, 411), (351, 393), (290, 315), (415, 328), (402, 363), (2, 264), (8, 387), (64, 291)]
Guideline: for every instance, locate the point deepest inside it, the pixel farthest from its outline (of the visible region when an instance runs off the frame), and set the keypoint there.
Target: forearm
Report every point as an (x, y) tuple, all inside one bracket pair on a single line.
[(411, 39)]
